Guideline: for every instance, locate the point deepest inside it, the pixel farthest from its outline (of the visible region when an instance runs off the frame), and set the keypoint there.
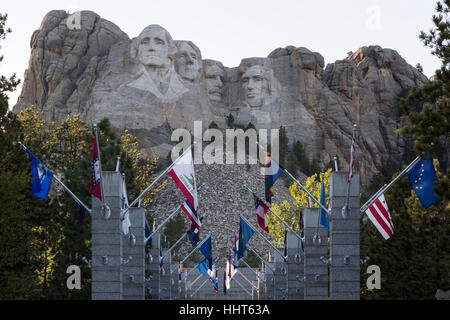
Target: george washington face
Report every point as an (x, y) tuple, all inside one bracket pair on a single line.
[(153, 47)]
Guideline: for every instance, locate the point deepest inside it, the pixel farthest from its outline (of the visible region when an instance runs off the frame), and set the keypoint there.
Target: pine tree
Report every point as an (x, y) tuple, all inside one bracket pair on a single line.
[(428, 107)]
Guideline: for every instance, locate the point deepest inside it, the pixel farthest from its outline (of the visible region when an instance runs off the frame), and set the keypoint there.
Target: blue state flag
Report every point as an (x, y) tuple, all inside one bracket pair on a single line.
[(245, 233), (205, 248), (42, 178), (273, 172), (324, 220), (148, 233), (202, 267), (422, 177)]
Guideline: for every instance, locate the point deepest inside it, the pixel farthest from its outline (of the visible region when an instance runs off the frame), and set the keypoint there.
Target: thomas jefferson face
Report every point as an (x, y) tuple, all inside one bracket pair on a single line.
[(187, 62), (214, 82), (255, 86), (154, 47)]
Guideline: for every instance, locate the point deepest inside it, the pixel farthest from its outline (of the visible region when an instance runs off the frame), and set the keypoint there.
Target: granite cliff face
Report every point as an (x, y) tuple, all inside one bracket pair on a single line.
[(152, 84)]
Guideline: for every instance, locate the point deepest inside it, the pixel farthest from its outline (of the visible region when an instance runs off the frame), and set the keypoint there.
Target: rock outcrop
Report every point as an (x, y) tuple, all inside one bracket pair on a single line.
[(152, 84)]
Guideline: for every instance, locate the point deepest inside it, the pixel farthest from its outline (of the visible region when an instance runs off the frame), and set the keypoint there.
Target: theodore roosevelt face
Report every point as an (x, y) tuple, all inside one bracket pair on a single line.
[(214, 82)]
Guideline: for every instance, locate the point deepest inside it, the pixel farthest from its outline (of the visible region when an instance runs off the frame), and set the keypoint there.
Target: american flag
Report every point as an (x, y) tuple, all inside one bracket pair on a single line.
[(378, 213), (352, 158)]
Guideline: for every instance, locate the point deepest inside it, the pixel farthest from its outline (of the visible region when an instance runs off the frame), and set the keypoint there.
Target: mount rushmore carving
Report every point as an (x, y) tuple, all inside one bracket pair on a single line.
[(152, 84)]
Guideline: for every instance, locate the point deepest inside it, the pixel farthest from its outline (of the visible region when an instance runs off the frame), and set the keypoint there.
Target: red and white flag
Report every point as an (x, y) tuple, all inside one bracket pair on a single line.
[(184, 176), (352, 158), (379, 214), (96, 173), (261, 210)]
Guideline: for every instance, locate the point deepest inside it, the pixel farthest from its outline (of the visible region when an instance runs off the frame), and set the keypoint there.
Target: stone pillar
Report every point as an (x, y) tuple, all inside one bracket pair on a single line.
[(316, 271), (294, 267), (153, 283), (133, 271), (164, 280), (174, 285), (344, 238), (107, 241), (270, 280), (280, 277)]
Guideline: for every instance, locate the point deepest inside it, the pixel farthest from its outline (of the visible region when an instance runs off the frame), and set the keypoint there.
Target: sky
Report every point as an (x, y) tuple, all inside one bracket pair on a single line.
[(232, 30)]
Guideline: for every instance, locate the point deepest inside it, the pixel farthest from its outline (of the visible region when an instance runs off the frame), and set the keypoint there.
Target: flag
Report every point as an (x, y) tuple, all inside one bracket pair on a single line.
[(308, 204), (324, 220), (202, 267), (261, 210), (205, 248), (236, 246), (193, 235), (224, 282), (379, 214), (165, 243), (230, 272), (245, 233), (191, 213), (301, 227), (147, 234), (269, 179), (126, 223), (352, 155), (213, 278), (42, 178), (183, 175), (422, 177), (285, 242), (96, 173), (82, 213)]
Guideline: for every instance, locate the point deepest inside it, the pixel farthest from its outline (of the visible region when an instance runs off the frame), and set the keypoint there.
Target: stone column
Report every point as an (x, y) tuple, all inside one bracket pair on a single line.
[(316, 271), (107, 241), (174, 285), (294, 267), (280, 277), (153, 267), (164, 280), (133, 271), (344, 238)]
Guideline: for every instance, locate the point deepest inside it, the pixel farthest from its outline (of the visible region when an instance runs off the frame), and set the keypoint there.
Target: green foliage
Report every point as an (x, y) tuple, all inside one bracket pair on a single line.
[(213, 125), (290, 213), (430, 124), (230, 120), (414, 262), (43, 237)]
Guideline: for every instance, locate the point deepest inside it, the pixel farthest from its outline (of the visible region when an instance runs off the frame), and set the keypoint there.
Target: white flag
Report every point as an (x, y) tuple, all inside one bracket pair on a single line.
[(184, 176), (126, 223)]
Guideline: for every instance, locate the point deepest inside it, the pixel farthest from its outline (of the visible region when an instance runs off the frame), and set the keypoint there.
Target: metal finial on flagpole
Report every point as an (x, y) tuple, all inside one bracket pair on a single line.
[(118, 164), (335, 163)]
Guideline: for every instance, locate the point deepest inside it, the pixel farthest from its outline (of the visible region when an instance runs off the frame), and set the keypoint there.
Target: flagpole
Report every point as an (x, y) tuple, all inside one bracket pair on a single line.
[(345, 208), (242, 275), (251, 191), (253, 271), (264, 261), (100, 164), (193, 250), (64, 186), (300, 185), (154, 181), (181, 238), (166, 220), (257, 231), (239, 283), (201, 286), (387, 187)]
